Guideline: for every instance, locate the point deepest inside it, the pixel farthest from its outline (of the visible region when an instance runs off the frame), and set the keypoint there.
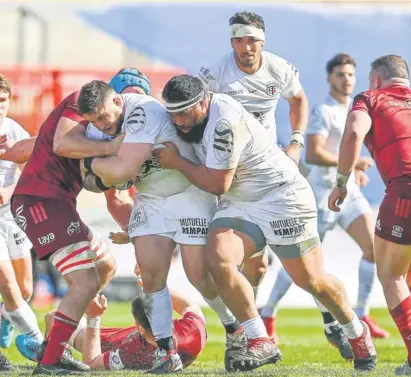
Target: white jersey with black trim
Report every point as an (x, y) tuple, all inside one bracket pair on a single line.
[(234, 139), (8, 169), (146, 121), (327, 120), (260, 92)]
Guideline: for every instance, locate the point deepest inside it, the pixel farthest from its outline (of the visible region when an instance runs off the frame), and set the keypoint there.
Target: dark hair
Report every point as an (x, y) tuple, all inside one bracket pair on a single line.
[(92, 96), (340, 59), (394, 66), (248, 18), (5, 85), (181, 88), (139, 312)]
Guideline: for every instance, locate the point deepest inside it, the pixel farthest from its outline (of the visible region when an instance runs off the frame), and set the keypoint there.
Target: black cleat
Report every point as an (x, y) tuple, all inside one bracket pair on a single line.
[(56, 370), (338, 340), (5, 364)]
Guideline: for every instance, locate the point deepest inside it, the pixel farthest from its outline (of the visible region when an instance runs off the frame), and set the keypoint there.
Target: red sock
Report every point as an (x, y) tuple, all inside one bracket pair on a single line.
[(60, 333), (402, 317)]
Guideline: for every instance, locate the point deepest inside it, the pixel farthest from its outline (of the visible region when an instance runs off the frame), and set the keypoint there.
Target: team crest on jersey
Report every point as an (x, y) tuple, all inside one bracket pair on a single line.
[(136, 121), (272, 88), (73, 228), (20, 220), (138, 218), (223, 140)]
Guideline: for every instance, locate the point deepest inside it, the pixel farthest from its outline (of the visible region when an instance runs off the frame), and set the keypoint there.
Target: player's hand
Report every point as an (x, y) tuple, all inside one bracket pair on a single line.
[(364, 163), (361, 179), (97, 306), (115, 143), (5, 144), (294, 151), (168, 156), (5, 194), (337, 198), (119, 238)]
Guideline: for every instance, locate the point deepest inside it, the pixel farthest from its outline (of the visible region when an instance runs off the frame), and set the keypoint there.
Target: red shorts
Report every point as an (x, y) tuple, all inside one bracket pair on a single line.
[(394, 217), (49, 223)]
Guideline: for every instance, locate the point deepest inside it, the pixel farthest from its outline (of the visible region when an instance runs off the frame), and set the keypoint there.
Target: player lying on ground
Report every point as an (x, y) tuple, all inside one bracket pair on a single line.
[(133, 347)]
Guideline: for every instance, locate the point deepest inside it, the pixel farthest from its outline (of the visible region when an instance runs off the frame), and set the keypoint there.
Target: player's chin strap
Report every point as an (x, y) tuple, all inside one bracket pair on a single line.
[(176, 107), (240, 31)]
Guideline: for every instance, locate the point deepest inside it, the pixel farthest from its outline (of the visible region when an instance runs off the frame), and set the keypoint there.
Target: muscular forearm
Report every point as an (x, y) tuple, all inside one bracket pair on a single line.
[(198, 175), (322, 157), (299, 114), (92, 348), (120, 205), (20, 152), (350, 150), (112, 169), (78, 146)]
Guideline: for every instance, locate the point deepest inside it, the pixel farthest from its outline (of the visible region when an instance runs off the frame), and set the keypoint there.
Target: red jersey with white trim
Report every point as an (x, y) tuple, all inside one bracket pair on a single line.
[(127, 349), (389, 139), (46, 174)]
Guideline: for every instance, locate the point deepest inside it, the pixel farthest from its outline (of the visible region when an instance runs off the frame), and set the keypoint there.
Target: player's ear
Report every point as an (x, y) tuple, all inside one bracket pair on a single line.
[(117, 100)]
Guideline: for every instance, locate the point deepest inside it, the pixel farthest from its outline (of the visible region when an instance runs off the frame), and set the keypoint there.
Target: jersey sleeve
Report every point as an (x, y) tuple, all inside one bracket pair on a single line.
[(93, 133), (144, 123), (71, 112), (209, 78), (318, 124), (292, 81), (19, 133), (227, 143), (362, 102)]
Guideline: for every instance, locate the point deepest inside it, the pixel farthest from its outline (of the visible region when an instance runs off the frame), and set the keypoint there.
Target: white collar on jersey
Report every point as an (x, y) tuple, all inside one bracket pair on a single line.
[(240, 31)]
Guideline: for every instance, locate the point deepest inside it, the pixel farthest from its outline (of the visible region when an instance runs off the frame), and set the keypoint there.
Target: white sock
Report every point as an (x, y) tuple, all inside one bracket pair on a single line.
[(225, 315), (25, 321), (320, 306), (353, 329), (81, 325), (365, 284), (4, 313), (254, 328), (323, 309), (281, 286), (159, 311)]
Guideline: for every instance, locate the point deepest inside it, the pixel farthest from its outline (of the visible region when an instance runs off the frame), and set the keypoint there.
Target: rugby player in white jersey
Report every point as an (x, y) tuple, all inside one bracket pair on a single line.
[(16, 279), (324, 132), (167, 208), (264, 200)]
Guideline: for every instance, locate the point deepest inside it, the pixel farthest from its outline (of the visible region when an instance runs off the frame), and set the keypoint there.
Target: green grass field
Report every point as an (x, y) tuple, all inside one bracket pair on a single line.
[(305, 351)]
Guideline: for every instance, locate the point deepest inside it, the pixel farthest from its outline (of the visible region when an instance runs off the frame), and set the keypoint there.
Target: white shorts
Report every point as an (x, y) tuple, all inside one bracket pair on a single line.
[(287, 216), (354, 206), (14, 243), (182, 217)]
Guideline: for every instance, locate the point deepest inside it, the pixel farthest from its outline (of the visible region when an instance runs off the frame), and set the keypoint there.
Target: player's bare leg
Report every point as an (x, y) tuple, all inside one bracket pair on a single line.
[(16, 287), (362, 231), (225, 251), (153, 255), (307, 271), (83, 284), (194, 265), (393, 263)]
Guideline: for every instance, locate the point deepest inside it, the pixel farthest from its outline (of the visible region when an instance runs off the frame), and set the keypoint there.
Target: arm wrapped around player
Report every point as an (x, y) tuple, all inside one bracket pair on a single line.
[(96, 184)]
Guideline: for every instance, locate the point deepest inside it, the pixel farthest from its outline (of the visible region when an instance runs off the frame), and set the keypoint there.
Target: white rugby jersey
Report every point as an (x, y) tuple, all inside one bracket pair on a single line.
[(8, 169), (234, 139), (258, 93), (328, 120), (147, 122)]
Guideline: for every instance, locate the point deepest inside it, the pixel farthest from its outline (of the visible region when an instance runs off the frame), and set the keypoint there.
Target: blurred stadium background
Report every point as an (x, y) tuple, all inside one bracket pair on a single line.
[(50, 49)]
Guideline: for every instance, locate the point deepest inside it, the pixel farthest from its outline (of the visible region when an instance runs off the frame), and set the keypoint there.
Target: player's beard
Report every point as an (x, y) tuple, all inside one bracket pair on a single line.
[(119, 123), (196, 132)]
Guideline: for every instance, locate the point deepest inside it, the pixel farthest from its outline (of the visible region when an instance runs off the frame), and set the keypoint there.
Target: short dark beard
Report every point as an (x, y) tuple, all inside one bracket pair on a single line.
[(119, 124), (196, 133)]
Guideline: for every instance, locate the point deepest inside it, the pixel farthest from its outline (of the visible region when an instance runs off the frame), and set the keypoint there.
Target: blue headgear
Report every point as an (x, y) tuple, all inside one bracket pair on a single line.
[(130, 77)]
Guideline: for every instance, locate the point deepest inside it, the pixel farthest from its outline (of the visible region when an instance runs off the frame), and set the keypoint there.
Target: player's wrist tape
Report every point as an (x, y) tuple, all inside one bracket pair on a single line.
[(342, 180), (101, 185), (297, 138), (87, 163), (93, 323)]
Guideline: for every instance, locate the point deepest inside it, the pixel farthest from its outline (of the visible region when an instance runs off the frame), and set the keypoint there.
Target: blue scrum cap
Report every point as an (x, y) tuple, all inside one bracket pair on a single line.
[(130, 77)]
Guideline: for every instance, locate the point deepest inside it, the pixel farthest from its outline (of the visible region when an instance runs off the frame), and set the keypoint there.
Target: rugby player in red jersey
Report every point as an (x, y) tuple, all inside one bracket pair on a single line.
[(44, 206), (133, 347), (381, 118)]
